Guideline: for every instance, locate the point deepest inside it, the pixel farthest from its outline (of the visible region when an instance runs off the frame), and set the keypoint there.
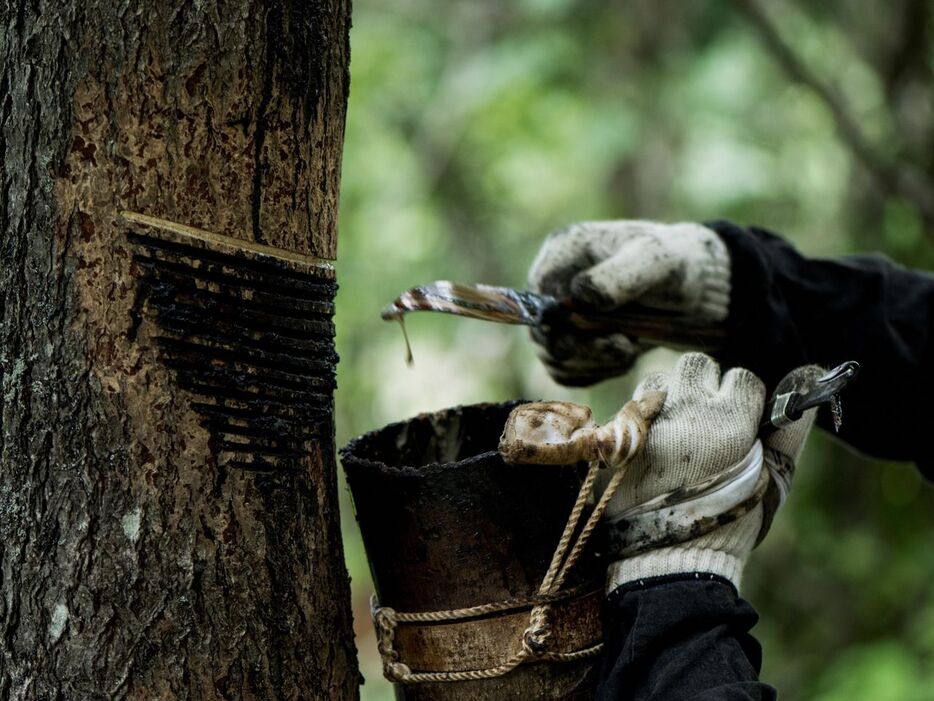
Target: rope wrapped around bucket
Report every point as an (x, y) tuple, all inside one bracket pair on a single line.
[(546, 433)]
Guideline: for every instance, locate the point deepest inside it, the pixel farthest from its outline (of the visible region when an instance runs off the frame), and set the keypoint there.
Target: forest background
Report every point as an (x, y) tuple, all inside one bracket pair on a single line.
[(475, 128)]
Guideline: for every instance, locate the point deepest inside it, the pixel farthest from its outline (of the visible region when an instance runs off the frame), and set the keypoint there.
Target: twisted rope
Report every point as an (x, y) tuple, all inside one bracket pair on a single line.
[(515, 604)]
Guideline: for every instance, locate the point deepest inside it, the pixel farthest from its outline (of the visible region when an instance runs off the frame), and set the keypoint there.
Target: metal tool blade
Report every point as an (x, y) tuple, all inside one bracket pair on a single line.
[(487, 302), (783, 409), (506, 305)]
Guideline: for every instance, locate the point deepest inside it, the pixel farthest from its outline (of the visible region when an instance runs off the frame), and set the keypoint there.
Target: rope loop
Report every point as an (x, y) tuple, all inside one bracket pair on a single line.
[(535, 637)]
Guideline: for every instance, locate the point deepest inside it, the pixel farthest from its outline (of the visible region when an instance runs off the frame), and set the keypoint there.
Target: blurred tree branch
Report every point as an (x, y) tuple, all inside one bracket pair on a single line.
[(892, 177)]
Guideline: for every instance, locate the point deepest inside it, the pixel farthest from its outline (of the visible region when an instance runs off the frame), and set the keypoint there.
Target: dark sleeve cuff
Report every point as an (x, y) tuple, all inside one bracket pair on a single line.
[(761, 332), (683, 636)]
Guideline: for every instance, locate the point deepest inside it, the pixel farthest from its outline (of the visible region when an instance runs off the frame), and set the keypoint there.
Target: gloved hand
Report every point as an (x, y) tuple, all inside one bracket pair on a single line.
[(706, 425), (681, 268)]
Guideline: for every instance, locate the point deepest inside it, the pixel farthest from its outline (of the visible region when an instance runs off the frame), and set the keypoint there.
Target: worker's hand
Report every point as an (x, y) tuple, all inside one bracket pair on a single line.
[(677, 268), (706, 425)]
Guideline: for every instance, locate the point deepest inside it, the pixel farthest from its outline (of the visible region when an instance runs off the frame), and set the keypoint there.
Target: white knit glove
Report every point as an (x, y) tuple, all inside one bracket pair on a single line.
[(706, 425), (677, 268)]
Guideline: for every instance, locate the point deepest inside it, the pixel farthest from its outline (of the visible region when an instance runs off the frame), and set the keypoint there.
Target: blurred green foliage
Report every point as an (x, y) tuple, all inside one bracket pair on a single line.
[(474, 128)]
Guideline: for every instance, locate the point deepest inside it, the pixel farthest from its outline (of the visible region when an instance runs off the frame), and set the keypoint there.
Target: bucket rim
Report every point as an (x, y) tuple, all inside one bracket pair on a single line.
[(347, 455)]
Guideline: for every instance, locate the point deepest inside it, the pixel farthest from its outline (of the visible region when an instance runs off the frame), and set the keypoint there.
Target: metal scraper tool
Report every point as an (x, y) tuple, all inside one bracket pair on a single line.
[(549, 314), (786, 408)]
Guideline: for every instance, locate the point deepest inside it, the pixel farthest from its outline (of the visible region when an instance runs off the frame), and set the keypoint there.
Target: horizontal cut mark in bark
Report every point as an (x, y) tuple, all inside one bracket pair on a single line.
[(270, 342), (169, 231), (254, 465), (247, 331), (294, 401), (300, 367), (265, 430), (223, 276), (259, 303), (259, 411), (196, 373), (239, 449), (194, 309)]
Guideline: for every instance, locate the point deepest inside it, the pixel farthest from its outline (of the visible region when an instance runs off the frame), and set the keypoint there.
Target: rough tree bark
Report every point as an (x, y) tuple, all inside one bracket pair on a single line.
[(168, 510)]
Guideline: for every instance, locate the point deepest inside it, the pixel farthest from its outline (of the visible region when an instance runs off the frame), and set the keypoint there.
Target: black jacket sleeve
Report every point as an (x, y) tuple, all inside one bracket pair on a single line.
[(787, 310), (678, 638)]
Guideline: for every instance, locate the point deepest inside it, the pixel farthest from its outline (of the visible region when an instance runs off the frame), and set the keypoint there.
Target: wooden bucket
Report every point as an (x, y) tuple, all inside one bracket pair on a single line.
[(447, 525)]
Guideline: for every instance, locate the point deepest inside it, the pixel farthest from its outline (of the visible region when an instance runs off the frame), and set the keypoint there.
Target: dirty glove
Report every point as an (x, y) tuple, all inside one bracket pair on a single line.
[(680, 268), (706, 425)]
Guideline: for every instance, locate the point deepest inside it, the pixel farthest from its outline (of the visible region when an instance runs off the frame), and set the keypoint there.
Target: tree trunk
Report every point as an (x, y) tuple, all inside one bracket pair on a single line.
[(168, 507)]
